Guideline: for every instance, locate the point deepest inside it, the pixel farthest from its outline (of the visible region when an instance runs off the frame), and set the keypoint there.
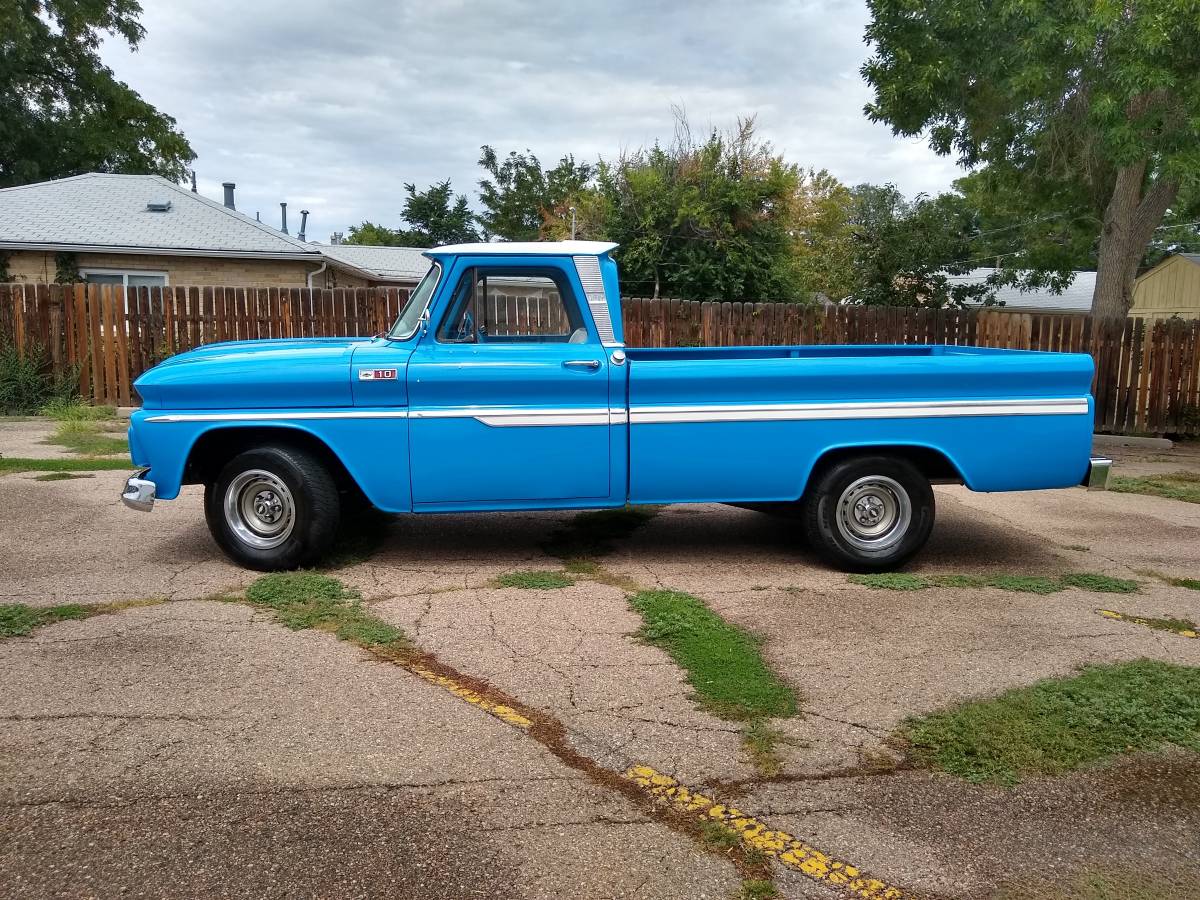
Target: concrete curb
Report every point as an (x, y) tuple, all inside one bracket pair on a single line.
[(1120, 440)]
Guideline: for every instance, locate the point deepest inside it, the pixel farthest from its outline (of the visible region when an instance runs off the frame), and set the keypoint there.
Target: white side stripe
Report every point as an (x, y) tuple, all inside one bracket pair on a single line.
[(508, 417)]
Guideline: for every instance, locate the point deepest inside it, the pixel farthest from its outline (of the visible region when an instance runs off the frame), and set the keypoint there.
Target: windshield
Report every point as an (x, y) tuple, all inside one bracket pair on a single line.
[(418, 300)]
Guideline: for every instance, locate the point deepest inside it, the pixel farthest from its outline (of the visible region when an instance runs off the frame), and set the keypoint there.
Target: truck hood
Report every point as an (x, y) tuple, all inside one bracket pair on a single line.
[(268, 374)]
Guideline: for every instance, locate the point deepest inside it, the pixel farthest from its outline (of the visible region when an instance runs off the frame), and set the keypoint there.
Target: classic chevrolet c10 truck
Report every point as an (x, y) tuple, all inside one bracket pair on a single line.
[(505, 384)]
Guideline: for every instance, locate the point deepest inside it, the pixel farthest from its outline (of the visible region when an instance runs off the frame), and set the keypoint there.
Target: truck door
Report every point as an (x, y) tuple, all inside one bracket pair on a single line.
[(508, 392)]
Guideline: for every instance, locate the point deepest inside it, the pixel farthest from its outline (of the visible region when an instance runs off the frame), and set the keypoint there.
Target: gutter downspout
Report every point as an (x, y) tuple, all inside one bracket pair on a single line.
[(315, 272)]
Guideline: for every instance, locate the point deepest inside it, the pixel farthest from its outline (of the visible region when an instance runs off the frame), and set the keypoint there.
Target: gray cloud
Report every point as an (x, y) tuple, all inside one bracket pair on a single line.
[(333, 106)]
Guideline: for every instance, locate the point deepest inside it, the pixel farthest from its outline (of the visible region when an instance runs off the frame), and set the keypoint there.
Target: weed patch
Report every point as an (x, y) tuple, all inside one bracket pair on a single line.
[(12, 464), (1174, 486), (75, 410), (718, 836), (1062, 724), (592, 533), (533, 581), (722, 663), (761, 742), (1026, 584), (88, 438), (61, 476), (18, 620), (303, 600), (757, 889)]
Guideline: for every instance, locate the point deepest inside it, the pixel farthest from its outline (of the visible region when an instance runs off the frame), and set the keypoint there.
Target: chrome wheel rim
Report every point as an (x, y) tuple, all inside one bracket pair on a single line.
[(259, 509), (873, 513)]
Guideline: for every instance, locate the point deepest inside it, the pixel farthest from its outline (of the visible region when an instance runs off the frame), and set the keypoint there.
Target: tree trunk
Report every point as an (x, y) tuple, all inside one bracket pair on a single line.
[(1130, 220)]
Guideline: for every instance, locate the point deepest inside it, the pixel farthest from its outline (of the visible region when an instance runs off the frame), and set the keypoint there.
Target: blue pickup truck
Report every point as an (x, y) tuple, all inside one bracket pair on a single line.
[(505, 384)]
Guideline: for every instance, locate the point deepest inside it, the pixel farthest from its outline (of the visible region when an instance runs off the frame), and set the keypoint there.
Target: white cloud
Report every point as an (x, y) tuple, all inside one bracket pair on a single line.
[(333, 106)]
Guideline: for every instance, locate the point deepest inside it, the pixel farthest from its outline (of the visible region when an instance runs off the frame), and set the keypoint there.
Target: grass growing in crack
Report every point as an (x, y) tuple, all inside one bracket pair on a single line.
[(722, 663), (591, 534), (1192, 584), (62, 476), (1174, 486), (311, 600), (1062, 724), (18, 619), (762, 741), (1183, 627), (717, 836), (12, 464), (757, 889), (88, 438), (533, 581), (358, 540), (1029, 584)]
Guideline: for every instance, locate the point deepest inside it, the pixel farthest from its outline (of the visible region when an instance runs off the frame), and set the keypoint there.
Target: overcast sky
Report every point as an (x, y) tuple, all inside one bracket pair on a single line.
[(333, 105)]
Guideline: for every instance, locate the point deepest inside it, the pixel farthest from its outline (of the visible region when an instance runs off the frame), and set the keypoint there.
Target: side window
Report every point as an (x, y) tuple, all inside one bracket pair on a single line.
[(493, 305)]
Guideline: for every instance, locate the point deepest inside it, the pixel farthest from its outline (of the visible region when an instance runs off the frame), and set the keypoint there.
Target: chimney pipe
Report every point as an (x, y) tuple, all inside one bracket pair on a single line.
[(303, 223), (229, 186), (193, 181), (283, 209)]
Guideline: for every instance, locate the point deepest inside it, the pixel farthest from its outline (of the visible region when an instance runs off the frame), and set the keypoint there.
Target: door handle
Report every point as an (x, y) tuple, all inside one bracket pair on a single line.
[(592, 364)]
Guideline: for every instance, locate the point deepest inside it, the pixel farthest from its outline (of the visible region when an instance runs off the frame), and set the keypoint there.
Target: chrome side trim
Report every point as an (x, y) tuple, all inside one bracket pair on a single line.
[(280, 416), (1098, 471), (646, 415), (139, 492), (649, 415), (588, 270)]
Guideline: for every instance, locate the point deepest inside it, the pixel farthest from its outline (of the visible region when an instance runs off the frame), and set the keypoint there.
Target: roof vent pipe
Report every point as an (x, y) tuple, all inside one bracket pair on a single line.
[(229, 186), (303, 223), (283, 210)]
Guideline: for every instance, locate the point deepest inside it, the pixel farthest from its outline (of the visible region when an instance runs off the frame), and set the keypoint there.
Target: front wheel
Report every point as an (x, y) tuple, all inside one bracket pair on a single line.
[(272, 508), (868, 513)]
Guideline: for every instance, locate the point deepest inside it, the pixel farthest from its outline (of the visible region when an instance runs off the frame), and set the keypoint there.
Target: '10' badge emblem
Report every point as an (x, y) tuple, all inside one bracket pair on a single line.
[(376, 374)]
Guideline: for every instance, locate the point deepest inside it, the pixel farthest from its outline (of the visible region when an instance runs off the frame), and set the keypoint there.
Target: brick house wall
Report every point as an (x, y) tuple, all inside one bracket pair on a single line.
[(39, 268)]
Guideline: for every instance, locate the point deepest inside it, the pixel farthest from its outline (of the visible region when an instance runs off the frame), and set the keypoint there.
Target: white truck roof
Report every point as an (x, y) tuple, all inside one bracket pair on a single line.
[(526, 248)]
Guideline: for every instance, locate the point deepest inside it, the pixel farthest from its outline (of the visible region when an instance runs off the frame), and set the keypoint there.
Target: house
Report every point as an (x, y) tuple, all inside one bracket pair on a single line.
[(1171, 288), (146, 231), (1076, 298)]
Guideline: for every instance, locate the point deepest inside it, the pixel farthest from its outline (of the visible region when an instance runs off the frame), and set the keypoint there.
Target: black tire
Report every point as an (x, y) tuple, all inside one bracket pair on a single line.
[(868, 513), (266, 486)]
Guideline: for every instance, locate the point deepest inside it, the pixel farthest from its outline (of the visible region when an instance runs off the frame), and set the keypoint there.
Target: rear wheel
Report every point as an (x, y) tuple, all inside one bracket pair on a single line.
[(274, 507), (868, 513)]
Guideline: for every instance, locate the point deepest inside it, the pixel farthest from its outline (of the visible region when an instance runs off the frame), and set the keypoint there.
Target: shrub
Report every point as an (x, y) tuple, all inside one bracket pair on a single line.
[(27, 382)]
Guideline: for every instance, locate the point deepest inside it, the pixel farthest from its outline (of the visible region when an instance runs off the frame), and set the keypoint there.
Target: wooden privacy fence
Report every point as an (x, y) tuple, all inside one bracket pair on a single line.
[(1147, 375)]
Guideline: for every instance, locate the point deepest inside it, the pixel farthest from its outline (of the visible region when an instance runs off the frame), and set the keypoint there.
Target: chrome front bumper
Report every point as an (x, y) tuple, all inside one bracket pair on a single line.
[(1096, 478), (138, 493)]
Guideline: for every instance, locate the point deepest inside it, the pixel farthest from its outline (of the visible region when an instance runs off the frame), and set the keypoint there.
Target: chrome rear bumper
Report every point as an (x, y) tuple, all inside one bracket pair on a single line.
[(138, 493), (1096, 478)]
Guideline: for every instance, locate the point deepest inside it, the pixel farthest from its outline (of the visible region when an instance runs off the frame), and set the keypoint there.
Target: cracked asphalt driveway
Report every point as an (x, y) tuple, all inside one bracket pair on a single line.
[(197, 747)]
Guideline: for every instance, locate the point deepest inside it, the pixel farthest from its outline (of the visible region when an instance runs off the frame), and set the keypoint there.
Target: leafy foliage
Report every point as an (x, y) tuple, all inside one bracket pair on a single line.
[(1084, 113), (436, 216), (906, 251), (27, 381), (519, 196), (62, 111)]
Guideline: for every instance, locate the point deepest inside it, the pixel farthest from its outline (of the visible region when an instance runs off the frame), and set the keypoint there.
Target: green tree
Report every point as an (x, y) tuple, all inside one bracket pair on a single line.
[(825, 237), (62, 111), (698, 219), (519, 194), (1090, 102), (906, 251), (437, 216)]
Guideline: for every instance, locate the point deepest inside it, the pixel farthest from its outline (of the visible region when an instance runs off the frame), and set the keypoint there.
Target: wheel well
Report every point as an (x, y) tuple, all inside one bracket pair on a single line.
[(931, 463), (216, 447)]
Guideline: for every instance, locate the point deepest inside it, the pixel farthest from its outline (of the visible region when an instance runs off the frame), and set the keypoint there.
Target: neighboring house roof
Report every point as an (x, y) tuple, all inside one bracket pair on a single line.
[(384, 263), (103, 212), (1077, 297)]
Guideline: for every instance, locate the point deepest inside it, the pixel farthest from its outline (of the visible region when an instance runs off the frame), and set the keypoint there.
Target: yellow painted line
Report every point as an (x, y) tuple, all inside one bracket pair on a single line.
[(499, 710), (789, 850), (755, 834), (1139, 620)]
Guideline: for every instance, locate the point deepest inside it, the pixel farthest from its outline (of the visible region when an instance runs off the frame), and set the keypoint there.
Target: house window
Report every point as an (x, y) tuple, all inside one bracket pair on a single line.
[(125, 279)]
